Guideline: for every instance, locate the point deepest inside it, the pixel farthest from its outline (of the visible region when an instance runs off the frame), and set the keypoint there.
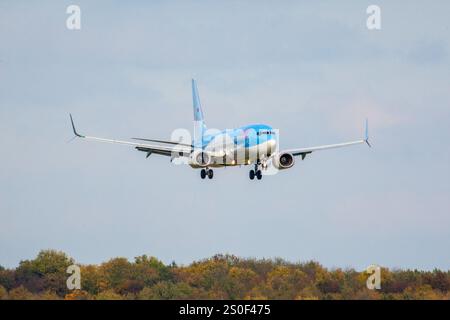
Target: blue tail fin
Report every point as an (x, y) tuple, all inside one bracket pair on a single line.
[(198, 112), (199, 124)]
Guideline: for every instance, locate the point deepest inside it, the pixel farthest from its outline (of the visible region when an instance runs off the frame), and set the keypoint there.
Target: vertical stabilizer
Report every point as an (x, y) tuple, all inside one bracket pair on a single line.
[(199, 124)]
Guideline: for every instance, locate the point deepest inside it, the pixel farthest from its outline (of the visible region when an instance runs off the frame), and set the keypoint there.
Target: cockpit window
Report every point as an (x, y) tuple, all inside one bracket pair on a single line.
[(265, 132)]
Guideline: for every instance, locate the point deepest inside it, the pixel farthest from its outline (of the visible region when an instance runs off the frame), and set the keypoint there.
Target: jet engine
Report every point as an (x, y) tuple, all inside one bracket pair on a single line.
[(200, 159), (283, 161)]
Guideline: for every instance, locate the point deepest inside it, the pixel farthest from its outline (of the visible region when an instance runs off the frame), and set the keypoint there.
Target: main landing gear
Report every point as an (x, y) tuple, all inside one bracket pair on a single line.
[(206, 172), (255, 173)]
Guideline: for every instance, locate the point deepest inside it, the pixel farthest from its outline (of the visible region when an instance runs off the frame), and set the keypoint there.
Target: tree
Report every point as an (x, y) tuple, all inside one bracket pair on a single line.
[(286, 282), (241, 280), (7, 278), (330, 283), (116, 272), (167, 290), (131, 286), (210, 275), (48, 295), (92, 280), (308, 293), (424, 292), (220, 277), (46, 272), (108, 295), (21, 293), (149, 270), (3, 293), (438, 280)]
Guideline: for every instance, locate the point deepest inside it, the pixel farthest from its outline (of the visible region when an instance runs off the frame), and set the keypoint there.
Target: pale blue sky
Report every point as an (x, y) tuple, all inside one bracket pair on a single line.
[(312, 70)]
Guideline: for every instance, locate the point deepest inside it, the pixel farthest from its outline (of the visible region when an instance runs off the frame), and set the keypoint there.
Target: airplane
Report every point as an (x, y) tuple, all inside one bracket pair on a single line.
[(254, 144)]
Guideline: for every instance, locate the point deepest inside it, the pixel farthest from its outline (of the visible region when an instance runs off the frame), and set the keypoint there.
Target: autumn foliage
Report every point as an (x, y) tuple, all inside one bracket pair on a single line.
[(220, 277)]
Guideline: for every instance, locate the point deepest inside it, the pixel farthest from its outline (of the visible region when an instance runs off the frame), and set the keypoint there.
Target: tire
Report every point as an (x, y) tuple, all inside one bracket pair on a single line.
[(210, 174), (251, 174), (259, 174), (203, 174)]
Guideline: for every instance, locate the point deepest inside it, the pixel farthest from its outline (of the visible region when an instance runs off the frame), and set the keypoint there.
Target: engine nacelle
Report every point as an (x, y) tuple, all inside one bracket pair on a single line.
[(283, 161), (200, 159)]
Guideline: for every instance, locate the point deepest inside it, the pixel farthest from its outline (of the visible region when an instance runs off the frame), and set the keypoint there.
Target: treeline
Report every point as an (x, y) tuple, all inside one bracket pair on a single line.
[(220, 277)]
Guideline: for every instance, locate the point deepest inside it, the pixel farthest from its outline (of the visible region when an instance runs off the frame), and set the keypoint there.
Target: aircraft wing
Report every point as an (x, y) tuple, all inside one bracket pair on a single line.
[(304, 151), (168, 150)]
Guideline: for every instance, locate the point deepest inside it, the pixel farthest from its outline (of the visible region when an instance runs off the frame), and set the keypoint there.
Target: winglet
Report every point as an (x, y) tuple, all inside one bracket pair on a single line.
[(73, 127), (366, 133)]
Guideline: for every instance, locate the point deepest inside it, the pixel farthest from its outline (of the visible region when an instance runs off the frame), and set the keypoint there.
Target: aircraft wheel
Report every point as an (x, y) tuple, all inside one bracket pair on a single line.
[(259, 174), (251, 174), (203, 174), (210, 173)]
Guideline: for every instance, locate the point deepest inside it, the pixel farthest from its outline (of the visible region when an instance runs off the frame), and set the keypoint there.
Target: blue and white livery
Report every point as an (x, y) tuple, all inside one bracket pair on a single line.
[(254, 145)]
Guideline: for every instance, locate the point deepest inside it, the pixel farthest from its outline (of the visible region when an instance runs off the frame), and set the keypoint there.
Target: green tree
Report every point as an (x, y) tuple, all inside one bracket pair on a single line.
[(116, 272), (46, 272), (7, 278), (150, 270)]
